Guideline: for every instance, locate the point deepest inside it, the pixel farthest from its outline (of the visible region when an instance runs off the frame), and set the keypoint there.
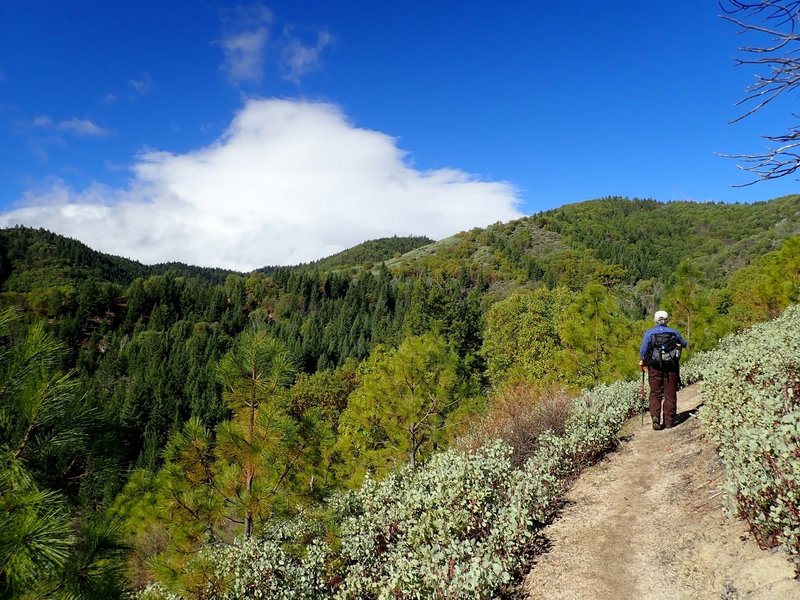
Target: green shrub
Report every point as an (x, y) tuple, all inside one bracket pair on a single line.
[(462, 525), (277, 566), (751, 393)]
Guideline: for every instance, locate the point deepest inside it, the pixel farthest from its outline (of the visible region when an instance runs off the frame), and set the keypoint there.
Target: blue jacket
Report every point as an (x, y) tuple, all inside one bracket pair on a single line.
[(659, 329)]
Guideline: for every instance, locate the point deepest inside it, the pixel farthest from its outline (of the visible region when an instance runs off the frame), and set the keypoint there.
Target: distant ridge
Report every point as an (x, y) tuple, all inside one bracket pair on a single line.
[(620, 239), (371, 251), (31, 258), (615, 240)]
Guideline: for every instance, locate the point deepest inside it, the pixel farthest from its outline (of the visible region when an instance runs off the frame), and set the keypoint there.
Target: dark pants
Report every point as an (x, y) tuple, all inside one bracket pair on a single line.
[(663, 387)]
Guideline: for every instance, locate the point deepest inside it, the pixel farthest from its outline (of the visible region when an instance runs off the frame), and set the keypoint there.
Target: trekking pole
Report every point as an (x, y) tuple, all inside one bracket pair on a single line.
[(642, 409)]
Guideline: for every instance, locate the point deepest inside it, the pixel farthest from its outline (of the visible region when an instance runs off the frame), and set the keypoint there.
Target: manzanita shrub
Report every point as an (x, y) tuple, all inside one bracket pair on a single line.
[(464, 525), (461, 526), (455, 529), (288, 562), (751, 394)]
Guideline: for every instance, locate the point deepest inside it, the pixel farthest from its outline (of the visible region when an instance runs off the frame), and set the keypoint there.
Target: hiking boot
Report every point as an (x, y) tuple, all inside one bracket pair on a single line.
[(657, 425)]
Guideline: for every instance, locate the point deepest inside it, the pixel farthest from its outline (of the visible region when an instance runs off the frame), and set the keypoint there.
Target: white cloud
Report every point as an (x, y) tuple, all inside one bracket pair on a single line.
[(82, 127), (244, 40), (297, 58), (142, 86), (287, 182), (75, 126)]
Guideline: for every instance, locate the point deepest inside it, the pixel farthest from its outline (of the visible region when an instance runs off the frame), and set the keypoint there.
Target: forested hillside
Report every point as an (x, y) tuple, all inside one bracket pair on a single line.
[(165, 408), (372, 251), (646, 238)]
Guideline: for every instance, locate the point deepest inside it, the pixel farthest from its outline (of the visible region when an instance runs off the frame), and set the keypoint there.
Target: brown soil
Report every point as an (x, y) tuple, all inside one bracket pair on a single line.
[(648, 523)]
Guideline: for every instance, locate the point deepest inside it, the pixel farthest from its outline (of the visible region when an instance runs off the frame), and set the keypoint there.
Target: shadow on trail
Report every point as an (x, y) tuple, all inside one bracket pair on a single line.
[(685, 415)]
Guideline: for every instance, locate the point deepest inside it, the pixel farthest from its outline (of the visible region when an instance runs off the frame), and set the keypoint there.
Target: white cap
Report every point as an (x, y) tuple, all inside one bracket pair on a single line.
[(661, 315)]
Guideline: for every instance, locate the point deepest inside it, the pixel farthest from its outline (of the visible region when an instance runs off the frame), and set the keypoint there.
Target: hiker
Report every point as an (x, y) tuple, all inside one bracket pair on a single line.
[(660, 354)]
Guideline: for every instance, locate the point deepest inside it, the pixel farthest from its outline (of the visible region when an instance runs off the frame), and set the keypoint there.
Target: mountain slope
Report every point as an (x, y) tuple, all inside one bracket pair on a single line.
[(644, 238), (650, 238), (31, 258), (35, 258), (371, 251)]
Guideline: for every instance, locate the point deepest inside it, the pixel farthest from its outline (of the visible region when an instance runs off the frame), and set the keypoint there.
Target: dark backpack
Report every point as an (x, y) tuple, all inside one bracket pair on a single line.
[(663, 351)]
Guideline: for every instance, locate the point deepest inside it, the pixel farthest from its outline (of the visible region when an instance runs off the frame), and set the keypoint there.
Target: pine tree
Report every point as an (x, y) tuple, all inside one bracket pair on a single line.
[(404, 405), (255, 442), (44, 550)]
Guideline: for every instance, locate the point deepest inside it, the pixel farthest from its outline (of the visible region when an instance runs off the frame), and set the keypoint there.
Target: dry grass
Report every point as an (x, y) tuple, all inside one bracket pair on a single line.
[(518, 414)]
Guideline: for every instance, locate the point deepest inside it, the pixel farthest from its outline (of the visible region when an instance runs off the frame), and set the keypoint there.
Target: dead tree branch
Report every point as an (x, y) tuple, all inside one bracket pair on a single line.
[(778, 63)]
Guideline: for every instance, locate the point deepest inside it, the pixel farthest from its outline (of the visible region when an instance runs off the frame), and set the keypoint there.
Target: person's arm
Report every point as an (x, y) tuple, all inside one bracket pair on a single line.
[(643, 347), (682, 341)]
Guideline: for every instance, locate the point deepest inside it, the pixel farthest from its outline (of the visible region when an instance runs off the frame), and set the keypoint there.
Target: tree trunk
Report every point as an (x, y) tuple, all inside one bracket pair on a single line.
[(248, 472)]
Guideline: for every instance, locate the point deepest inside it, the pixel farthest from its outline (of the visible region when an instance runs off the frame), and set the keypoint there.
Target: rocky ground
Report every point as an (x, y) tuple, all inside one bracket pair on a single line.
[(648, 523)]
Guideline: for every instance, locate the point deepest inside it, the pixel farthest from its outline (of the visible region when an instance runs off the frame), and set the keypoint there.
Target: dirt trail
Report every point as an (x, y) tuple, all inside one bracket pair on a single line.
[(647, 523)]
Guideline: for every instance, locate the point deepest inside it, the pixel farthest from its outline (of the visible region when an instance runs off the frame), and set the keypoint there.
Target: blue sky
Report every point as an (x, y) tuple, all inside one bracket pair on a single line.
[(246, 134)]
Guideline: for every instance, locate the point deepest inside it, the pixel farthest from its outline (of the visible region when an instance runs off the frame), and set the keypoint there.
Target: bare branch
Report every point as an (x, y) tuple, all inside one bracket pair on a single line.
[(777, 20), (775, 164)]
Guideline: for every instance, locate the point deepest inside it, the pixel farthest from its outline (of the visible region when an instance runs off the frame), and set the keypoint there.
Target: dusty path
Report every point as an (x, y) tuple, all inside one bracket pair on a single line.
[(648, 523)]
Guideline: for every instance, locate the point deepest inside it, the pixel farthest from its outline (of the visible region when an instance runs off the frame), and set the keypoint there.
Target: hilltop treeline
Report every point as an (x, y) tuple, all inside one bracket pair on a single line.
[(204, 404)]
